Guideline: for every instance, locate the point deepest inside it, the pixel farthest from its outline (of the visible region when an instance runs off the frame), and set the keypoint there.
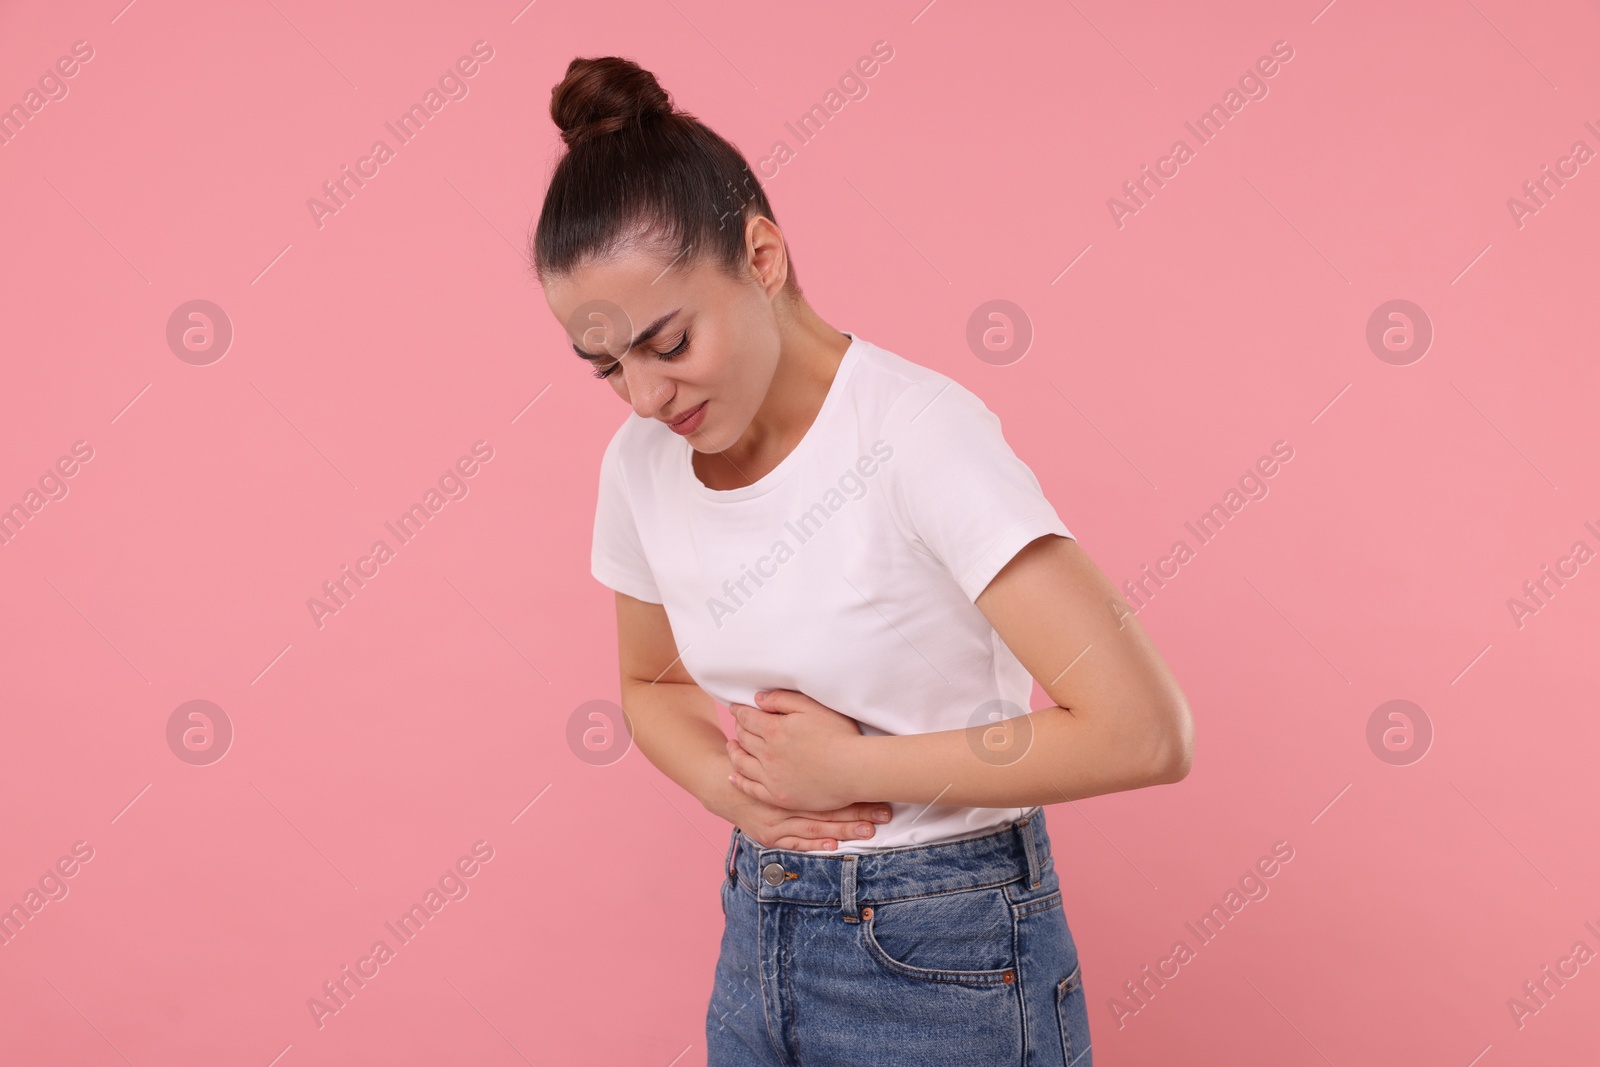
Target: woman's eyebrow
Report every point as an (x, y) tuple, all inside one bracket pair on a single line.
[(644, 335)]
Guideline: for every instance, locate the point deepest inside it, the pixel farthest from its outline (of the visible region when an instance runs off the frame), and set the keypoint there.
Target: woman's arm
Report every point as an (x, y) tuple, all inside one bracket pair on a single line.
[(1121, 722), (675, 725), (674, 721)]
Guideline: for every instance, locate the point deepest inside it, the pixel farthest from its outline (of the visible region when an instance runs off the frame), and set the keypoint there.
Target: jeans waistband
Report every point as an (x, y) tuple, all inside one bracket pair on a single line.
[(1019, 849)]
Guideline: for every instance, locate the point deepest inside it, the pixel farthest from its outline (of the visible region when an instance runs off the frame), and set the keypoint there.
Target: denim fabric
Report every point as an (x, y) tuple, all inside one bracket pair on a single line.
[(951, 953)]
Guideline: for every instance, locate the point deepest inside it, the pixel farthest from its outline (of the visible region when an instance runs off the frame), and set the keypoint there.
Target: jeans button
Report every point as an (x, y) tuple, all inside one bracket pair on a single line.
[(773, 873)]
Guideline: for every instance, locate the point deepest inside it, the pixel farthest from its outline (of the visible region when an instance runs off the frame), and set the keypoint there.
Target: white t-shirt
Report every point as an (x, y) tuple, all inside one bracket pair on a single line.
[(849, 572)]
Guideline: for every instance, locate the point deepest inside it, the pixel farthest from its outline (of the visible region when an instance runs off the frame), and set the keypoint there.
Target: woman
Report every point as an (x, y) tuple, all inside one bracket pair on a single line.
[(838, 544)]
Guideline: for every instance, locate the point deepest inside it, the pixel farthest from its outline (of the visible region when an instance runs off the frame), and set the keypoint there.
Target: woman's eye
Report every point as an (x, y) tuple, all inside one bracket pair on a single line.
[(673, 353), (678, 349)]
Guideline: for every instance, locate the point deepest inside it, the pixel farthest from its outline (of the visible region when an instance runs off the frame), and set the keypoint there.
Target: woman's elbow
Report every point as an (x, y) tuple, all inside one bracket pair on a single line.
[(1176, 752)]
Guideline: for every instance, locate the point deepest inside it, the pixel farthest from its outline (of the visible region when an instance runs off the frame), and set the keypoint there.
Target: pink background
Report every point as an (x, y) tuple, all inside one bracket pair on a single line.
[(433, 710)]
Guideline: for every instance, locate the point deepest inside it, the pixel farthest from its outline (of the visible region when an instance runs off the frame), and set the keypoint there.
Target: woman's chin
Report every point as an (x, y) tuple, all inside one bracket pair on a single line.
[(703, 441)]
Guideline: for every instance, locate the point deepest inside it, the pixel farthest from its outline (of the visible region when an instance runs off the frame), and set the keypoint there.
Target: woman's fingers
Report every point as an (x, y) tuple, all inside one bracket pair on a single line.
[(752, 788), (852, 814), (750, 742), (877, 812), (800, 844), (853, 822), (841, 825), (744, 764), (816, 831), (746, 719)]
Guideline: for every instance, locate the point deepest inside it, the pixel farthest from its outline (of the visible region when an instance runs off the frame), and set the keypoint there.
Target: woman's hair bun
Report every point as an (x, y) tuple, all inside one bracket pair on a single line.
[(604, 94)]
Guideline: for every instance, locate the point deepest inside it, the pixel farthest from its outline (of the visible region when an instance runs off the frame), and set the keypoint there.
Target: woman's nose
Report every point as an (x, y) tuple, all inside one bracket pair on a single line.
[(648, 393)]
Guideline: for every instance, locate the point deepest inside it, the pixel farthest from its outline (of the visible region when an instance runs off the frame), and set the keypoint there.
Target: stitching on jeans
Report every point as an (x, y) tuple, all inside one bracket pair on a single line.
[(836, 902), (1021, 881), (942, 892), (761, 977), (760, 989), (1022, 992), (1066, 988), (788, 975), (1071, 985), (1033, 907), (998, 976)]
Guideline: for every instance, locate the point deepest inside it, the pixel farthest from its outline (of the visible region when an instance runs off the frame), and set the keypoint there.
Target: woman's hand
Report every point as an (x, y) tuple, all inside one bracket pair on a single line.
[(792, 751), (807, 831)]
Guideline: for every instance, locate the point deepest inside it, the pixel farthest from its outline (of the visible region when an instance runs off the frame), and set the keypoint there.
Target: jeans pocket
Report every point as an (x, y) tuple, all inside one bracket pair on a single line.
[(1072, 1015), (962, 937)]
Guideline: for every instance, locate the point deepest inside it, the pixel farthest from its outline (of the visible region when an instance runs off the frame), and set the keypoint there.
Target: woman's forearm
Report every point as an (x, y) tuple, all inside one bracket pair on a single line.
[(1067, 757), (675, 726)]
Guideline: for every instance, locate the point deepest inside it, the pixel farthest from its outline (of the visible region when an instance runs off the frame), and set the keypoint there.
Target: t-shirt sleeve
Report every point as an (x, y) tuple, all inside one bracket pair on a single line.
[(959, 489), (617, 558)]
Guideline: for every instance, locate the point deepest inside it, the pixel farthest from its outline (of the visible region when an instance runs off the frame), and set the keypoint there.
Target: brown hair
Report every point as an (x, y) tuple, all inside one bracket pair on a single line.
[(637, 171)]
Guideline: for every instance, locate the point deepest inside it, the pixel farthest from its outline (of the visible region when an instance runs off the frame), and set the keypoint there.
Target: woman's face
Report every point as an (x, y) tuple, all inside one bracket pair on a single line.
[(702, 339)]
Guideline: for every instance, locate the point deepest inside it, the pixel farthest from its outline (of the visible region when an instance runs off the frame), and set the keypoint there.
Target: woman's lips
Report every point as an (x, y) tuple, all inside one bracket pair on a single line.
[(690, 421)]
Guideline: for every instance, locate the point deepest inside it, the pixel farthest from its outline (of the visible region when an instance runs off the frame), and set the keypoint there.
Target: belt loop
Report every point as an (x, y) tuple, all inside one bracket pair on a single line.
[(847, 889), (1025, 827), (733, 846)]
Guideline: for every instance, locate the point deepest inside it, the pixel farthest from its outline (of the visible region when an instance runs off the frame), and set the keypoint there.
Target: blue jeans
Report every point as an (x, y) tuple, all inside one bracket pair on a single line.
[(951, 953)]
